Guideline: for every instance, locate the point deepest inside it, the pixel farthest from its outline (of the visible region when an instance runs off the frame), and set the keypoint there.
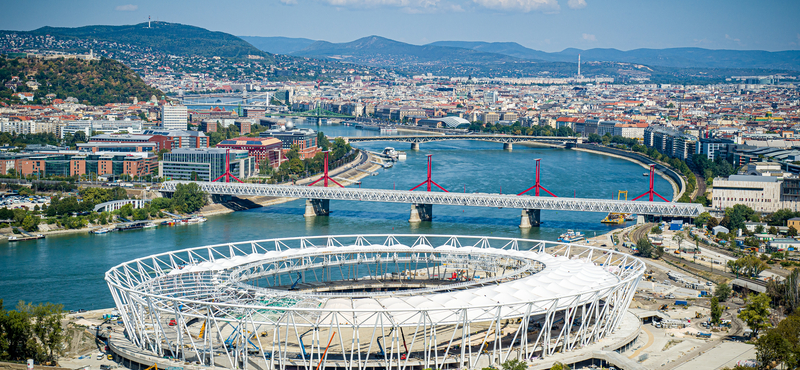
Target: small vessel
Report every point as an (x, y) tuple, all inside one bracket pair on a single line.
[(646, 174), (102, 230), (571, 236), (15, 238), (196, 220), (614, 219), (131, 226), (630, 217), (150, 225)]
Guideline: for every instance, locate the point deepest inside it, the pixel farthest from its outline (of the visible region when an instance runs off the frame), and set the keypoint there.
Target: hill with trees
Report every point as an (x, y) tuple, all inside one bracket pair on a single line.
[(171, 38), (94, 82)]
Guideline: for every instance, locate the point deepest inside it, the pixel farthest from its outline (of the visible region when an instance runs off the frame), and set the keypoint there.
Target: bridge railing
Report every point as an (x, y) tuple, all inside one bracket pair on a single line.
[(460, 199)]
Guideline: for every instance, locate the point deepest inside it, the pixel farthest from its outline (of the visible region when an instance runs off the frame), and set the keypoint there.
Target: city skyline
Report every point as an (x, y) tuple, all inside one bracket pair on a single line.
[(548, 25)]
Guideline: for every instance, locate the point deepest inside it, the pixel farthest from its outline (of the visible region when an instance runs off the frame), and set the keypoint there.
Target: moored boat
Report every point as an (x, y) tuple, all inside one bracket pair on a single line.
[(571, 236)]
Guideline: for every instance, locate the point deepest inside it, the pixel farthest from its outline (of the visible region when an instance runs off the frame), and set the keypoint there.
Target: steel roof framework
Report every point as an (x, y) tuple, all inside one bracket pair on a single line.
[(204, 284)]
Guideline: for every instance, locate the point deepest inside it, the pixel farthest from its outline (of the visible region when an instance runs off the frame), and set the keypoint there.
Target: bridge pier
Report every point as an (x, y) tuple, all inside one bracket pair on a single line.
[(530, 218), (421, 212), (508, 146), (317, 207), (414, 146)]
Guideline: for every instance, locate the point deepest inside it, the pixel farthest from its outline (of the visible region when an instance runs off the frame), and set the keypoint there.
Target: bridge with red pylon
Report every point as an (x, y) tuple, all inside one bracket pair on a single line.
[(318, 198)]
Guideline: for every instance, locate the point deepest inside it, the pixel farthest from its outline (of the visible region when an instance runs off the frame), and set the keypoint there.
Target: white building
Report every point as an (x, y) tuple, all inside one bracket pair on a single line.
[(761, 193), (174, 117)]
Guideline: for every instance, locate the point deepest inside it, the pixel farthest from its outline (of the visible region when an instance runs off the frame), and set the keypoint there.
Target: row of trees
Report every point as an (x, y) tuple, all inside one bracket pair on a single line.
[(748, 266), (517, 129), (294, 167), (31, 332)]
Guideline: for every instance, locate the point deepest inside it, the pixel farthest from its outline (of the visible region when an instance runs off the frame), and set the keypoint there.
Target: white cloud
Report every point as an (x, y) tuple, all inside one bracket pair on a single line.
[(126, 8), (547, 6), (589, 37), (576, 4), (289, 2), (727, 37)]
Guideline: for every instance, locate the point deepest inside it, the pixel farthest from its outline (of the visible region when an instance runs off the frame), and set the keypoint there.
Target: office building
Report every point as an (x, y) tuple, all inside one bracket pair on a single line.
[(174, 117), (305, 139), (206, 164), (182, 138), (77, 164)]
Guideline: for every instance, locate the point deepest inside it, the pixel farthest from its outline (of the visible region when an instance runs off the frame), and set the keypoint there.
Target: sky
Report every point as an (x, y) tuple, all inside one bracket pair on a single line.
[(548, 25)]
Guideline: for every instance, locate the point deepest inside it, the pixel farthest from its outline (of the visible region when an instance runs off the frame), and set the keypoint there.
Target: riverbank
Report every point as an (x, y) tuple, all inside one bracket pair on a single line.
[(346, 175), (678, 188)]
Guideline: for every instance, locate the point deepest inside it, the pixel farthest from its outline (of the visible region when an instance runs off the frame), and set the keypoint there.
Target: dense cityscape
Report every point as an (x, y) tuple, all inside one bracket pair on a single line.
[(256, 210)]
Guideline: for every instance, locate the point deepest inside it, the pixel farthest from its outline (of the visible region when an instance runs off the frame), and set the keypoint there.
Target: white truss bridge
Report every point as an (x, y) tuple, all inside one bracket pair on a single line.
[(505, 139), (451, 199)]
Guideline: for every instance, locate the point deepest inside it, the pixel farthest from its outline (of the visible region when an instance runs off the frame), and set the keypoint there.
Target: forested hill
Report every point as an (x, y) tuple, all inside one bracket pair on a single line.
[(170, 38), (95, 82)]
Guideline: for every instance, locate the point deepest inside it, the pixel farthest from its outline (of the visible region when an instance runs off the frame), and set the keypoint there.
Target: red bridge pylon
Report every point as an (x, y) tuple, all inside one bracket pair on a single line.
[(429, 181), (325, 176), (227, 175), (651, 192), (536, 185)]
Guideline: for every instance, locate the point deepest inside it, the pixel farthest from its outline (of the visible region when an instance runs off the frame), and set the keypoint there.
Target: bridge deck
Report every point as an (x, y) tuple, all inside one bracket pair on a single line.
[(454, 199), (492, 138)]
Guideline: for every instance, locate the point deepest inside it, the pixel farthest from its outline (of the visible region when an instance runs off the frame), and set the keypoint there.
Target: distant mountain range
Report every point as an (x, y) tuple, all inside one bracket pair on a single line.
[(374, 49), (278, 45), (170, 38)]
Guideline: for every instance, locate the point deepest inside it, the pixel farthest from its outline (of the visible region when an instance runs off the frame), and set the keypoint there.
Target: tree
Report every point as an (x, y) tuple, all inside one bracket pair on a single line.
[(756, 313), (188, 197), (679, 238), (722, 292), (771, 349), (702, 219), (792, 231), (30, 223), (645, 247), (514, 364), (716, 311), (712, 223), (655, 230), (559, 366), (773, 230)]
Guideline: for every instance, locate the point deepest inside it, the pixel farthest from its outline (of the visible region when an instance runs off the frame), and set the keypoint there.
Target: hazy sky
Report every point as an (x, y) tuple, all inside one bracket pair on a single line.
[(550, 25)]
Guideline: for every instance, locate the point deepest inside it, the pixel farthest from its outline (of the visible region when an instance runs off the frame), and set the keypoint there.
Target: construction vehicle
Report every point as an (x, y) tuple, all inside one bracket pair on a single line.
[(299, 277), (231, 340), (664, 307), (154, 367), (304, 355)]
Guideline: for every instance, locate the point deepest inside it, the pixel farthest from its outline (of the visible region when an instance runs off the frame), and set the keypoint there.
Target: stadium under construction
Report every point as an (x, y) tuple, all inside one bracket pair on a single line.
[(372, 301)]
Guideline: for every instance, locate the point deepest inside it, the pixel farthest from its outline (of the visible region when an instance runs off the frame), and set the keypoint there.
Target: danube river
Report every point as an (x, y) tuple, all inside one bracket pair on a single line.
[(69, 269)]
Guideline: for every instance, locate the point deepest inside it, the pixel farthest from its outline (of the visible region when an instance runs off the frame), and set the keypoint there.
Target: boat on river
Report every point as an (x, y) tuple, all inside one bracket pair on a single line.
[(571, 236), (15, 238), (102, 230)]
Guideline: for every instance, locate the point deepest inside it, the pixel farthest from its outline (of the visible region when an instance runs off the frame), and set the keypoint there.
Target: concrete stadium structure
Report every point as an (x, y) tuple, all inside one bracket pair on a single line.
[(373, 301)]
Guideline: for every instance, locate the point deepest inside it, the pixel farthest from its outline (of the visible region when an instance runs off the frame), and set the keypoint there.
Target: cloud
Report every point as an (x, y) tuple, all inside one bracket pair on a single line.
[(576, 4), (589, 37), (546, 6), (289, 2), (727, 37), (126, 8)]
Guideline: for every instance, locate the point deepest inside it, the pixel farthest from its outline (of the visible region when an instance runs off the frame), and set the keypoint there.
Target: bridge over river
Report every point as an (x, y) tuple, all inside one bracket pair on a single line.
[(506, 140), (318, 200)]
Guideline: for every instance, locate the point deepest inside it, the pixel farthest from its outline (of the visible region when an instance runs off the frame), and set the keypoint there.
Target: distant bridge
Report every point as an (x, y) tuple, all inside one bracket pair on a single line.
[(506, 140), (318, 200)]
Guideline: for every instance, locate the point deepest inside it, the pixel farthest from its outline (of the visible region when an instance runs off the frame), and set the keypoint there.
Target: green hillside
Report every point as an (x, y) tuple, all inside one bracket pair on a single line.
[(171, 38), (95, 82)]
